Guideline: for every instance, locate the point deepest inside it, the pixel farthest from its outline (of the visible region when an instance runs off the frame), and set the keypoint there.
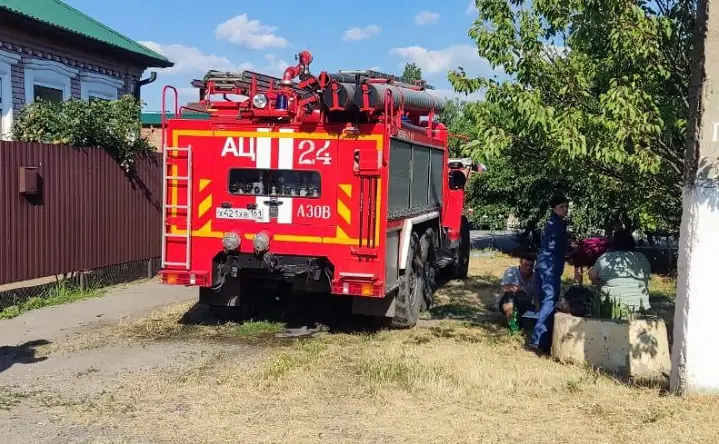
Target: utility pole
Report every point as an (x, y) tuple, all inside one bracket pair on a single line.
[(695, 355)]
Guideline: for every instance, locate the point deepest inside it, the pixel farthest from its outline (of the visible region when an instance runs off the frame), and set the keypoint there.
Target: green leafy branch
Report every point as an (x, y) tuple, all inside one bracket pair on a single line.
[(110, 125), (595, 103)]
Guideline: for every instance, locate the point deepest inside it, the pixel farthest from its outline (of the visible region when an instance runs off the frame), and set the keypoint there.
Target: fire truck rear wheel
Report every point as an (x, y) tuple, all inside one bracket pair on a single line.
[(409, 296), (461, 268), (429, 259), (234, 302), (223, 313)]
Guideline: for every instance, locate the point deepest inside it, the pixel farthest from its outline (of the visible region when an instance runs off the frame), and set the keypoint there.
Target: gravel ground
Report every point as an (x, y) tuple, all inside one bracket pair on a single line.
[(32, 385)]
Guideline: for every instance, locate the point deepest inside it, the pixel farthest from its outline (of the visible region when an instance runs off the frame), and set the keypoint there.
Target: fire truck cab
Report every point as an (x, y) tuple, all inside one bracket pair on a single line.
[(335, 183)]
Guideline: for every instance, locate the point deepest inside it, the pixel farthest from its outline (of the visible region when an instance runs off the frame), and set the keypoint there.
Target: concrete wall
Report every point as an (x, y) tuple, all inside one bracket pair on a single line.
[(639, 348)]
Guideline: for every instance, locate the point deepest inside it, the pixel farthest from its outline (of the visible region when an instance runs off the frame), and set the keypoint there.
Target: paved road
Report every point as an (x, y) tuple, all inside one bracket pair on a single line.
[(120, 302), (500, 240)]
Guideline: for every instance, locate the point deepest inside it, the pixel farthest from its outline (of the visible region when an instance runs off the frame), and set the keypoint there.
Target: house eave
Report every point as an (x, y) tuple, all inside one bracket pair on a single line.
[(11, 19)]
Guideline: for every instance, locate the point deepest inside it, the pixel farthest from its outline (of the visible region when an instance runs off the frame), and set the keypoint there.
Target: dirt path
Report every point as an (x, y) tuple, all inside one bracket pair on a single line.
[(122, 301), (63, 378)]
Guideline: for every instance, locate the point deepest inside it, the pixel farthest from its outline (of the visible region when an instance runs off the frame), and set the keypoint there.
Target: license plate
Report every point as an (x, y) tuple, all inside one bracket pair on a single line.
[(240, 214)]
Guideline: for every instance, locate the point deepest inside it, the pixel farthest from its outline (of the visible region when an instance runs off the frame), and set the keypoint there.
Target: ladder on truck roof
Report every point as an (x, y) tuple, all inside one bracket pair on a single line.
[(179, 180)]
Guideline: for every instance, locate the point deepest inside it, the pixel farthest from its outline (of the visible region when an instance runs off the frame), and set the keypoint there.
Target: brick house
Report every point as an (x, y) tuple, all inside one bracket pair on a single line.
[(151, 129), (52, 51), (152, 125)]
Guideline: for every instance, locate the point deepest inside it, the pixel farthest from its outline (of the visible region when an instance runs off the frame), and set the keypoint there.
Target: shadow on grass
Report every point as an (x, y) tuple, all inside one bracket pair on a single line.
[(472, 302), (660, 384), (492, 333), (290, 316), (473, 299)]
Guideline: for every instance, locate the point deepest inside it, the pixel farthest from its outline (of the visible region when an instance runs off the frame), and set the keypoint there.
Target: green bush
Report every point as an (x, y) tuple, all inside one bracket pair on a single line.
[(110, 125)]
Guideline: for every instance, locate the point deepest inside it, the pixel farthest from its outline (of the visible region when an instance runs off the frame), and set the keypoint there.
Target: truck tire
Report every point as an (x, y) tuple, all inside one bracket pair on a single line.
[(429, 259), (222, 304), (223, 314), (233, 302), (461, 267), (409, 296)]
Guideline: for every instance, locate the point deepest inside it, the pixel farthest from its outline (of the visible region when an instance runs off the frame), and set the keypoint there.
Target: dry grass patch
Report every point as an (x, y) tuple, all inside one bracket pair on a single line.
[(461, 379), (175, 322), (10, 398), (451, 383), (663, 286)]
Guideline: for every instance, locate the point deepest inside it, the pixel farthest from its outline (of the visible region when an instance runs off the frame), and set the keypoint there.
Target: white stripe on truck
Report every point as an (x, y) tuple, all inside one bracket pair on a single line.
[(264, 160), (286, 161), (285, 210), (264, 150), (287, 151)]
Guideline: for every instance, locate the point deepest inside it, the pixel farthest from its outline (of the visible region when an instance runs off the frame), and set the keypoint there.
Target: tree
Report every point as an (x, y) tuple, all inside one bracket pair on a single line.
[(412, 72), (512, 184), (110, 125), (456, 119), (596, 96)]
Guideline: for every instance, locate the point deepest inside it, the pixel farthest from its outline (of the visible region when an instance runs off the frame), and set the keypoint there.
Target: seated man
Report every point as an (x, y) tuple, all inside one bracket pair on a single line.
[(517, 288)]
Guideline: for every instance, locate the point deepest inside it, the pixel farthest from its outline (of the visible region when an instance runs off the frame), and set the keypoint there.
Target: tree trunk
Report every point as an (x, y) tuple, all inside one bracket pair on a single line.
[(695, 367)]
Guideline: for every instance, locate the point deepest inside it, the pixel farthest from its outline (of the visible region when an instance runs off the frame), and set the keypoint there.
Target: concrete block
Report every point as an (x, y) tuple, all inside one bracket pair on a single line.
[(638, 349)]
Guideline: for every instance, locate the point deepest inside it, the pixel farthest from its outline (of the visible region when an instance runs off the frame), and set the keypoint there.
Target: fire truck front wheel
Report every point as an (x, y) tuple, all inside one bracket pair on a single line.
[(461, 268), (408, 300), (429, 259)]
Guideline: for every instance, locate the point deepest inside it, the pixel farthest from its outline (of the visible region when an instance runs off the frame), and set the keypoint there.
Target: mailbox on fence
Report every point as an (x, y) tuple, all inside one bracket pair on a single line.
[(28, 181)]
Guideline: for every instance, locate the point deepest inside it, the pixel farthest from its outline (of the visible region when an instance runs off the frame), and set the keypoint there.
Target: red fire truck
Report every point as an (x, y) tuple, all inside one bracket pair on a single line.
[(330, 183)]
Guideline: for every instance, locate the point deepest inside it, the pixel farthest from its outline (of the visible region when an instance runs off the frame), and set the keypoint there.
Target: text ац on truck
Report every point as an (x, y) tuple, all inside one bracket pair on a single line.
[(334, 184)]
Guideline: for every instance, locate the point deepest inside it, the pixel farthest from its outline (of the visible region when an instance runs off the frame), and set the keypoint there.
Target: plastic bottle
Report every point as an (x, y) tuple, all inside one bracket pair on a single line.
[(514, 322)]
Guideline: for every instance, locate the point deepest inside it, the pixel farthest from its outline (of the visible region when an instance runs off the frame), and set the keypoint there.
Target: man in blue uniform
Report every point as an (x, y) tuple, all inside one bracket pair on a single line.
[(548, 271)]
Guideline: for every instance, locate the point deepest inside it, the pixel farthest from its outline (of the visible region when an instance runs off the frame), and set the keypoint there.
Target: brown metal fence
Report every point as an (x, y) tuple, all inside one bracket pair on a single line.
[(87, 214)]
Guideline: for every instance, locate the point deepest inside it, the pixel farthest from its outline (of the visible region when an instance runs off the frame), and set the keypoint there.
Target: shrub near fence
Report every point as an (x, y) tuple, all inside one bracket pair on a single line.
[(67, 210)]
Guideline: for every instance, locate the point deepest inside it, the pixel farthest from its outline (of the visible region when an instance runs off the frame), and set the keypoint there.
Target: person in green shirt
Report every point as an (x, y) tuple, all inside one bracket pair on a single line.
[(623, 273)]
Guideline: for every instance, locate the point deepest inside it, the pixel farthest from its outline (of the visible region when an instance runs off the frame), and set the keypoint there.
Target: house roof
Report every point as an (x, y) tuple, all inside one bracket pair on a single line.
[(62, 16), (155, 117)]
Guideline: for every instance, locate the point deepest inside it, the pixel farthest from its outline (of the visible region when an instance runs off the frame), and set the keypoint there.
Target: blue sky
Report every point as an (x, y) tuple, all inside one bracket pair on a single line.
[(265, 36)]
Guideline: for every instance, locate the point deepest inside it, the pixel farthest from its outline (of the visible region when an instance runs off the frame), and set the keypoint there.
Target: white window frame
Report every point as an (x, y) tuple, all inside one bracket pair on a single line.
[(101, 86), (7, 60), (49, 74)]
